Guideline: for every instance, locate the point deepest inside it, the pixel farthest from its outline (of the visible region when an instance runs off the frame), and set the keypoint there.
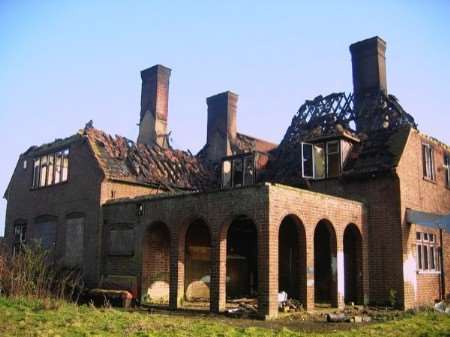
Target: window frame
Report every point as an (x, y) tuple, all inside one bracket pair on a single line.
[(49, 161), (324, 145), (427, 253), (428, 164), (18, 244), (447, 169), (243, 159)]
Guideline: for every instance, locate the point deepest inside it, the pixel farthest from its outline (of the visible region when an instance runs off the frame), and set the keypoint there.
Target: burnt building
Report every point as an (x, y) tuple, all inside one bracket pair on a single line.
[(351, 206)]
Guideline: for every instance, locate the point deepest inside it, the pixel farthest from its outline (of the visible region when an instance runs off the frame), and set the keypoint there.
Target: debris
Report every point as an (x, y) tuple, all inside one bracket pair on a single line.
[(335, 318), (441, 306), (282, 297)]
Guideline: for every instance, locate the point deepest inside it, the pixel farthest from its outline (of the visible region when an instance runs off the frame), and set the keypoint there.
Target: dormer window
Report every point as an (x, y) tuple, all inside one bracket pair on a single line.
[(51, 169), (324, 159), (238, 170)]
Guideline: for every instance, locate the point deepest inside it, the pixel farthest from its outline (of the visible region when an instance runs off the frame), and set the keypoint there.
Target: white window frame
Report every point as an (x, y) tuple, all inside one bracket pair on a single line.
[(428, 162), (427, 244), (312, 159), (337, 152), (447, 169)]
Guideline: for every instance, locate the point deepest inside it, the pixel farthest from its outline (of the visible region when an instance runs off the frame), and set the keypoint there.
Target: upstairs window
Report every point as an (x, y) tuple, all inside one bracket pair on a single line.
[(427, 257), (238, 171), (447, 169), (428, 162), (322, 160), (51, 169)]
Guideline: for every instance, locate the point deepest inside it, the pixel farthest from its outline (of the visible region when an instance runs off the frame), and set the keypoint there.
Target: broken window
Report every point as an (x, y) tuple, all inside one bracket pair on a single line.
[(447, 169), (238, 171), (20, 230), (249, 170), (427, 258), (307, 160), (226, 174), (333, 159), (51, 169), (428, 162), (321, 160)]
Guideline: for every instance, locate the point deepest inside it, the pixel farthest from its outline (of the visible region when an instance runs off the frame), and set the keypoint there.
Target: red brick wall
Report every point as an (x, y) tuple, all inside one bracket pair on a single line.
[(79, 194), (420, 194), (264, 205)]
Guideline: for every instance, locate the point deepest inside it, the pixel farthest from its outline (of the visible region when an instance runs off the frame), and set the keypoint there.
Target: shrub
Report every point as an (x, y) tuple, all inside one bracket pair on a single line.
[(31, 273)]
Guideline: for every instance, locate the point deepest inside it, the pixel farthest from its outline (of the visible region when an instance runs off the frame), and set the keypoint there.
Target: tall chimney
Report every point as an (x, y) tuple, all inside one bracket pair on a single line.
[(369, 67), (221, 130), (154, 106)]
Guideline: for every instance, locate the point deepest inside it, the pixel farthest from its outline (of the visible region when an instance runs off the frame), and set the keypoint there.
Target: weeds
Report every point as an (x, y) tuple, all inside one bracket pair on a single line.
[(31, 273)]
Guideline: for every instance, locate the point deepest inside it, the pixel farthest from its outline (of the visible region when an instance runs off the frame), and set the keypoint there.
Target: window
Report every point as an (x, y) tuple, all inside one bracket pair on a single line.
[(333, 159), (51, 169), (428, 162), (322, 159), (427, 252), (447, 169), (20, 231), (238, 171)]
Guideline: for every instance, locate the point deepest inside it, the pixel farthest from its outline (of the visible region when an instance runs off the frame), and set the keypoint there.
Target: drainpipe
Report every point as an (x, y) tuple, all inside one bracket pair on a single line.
[(441, 251)]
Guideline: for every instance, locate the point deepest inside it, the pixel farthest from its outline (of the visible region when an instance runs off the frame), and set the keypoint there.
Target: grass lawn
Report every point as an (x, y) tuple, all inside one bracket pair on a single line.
[(37, 318)]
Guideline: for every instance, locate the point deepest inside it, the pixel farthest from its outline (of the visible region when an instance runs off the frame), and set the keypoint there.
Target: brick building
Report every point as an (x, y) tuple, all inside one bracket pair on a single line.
[(351, 206)]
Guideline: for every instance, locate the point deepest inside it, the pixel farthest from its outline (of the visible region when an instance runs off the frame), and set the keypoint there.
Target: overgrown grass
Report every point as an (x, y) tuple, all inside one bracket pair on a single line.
[(19, 317), (33, 273)]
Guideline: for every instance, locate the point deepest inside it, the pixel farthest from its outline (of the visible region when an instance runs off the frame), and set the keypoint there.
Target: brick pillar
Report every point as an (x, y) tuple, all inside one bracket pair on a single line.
[(176, 272), (309, 301), (337, 262), (365, 263), (218, 274), (340, 277), (268, 271)]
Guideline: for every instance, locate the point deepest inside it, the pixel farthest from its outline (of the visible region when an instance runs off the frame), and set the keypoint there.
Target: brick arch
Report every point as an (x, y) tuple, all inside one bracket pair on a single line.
[(353, 264), (225, 225), (155, 274), (325, 263), (195, 244), (292, 257)]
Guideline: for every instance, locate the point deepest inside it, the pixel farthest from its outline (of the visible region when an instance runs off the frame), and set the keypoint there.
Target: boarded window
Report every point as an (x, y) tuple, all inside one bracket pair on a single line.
[(44, 232), (74, 241), (121, 242)]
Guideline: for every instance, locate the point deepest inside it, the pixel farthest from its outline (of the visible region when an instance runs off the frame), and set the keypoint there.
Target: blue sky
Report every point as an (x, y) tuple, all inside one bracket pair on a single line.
[(64, 63)]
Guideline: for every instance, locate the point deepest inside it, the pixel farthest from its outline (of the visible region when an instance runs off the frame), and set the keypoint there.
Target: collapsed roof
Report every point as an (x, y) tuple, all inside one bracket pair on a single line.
[(376, 124)]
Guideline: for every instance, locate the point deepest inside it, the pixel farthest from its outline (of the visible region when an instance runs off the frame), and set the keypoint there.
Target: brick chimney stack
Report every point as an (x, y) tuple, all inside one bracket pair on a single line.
[(154, 106), (369, 66), (221, 130)]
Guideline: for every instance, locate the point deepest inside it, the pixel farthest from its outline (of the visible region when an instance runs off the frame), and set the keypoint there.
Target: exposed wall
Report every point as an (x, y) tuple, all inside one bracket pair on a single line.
[(381, 196), (80, 195), (264, 205), (420, 194)]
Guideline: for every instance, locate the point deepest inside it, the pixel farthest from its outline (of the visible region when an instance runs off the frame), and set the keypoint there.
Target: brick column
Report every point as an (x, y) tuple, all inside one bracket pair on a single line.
[(340, 277), (309, 301), (176, 272), (268, 271), (365, 263), (218, 274)]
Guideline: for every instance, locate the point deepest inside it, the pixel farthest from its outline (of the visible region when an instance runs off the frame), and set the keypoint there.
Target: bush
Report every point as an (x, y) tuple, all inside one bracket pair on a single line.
[(30, 273)]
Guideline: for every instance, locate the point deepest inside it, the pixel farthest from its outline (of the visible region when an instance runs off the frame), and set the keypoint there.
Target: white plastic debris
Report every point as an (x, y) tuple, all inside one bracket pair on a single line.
[(282, 297), (440, 306)]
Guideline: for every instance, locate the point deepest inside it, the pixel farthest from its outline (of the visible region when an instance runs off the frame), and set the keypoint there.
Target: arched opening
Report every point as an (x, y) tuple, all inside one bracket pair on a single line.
[(155, 265), (241, 261), (197, 276), (325, 264), (292, 258), (353, 264)]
